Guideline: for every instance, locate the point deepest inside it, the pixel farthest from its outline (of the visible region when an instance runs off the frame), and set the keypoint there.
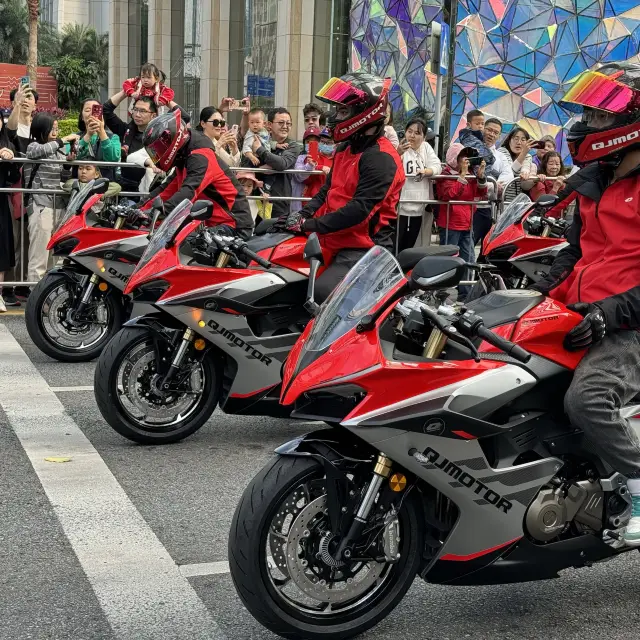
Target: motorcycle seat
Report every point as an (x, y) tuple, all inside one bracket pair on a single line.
[(503, 307), (409, 258)]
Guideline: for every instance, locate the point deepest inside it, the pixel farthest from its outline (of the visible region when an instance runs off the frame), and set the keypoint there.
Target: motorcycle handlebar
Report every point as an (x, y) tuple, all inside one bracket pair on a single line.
[(510, 348), (256, 258)]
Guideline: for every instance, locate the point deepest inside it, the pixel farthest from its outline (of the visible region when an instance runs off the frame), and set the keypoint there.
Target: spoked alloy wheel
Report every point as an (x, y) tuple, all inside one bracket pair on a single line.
[(53, 328), (129, 397), (135, 380), (282, 557)]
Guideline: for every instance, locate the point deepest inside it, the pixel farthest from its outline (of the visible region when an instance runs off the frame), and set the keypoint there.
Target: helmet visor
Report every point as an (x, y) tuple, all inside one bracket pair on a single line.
[(338, 91), (159, 147), (597, 91), (596, 119)]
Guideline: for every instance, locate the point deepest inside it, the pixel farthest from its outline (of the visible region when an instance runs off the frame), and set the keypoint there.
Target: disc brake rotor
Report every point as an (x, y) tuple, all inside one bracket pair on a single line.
[(346, 584), (56, 325), (135, 375)]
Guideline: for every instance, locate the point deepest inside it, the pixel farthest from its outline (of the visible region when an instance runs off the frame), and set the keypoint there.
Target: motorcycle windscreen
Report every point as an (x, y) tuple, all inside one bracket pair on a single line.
[(75, 205), (368, 282), (512, 214), (165, 233)]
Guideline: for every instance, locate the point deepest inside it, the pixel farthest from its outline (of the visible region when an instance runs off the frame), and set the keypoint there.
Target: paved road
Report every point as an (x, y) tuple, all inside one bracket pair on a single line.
[(105, 546)]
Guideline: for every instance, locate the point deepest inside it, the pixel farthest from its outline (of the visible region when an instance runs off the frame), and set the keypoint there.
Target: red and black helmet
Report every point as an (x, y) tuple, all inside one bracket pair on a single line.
[(359, 100), (164, 137), (609, 100)]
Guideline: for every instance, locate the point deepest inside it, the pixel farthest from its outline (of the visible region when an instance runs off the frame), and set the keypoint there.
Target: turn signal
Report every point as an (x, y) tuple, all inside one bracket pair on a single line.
[(398, 482), (202, 324), (199, 344), (102, 269), (103, 286)]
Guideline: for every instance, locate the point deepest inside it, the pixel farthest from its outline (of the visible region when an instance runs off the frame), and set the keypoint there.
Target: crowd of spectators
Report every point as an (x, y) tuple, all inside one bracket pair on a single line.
[(262, 147)]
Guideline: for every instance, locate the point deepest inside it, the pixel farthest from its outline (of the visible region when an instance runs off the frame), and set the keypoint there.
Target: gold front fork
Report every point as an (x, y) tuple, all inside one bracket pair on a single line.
[(222, 261), (435, 344)]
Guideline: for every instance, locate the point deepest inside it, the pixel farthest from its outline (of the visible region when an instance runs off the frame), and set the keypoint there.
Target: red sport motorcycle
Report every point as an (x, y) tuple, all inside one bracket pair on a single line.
[(225, 315), (453, 459), (521, 245), (79, 305)]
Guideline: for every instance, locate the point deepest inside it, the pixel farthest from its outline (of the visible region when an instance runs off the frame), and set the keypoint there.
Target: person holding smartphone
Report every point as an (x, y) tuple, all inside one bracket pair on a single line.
[(415, 220), (465, 183), (96, 143)]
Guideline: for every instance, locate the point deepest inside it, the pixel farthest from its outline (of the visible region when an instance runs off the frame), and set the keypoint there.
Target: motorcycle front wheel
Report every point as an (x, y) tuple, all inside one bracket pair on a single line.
[(280, 557), (133, 407), (50, 323)]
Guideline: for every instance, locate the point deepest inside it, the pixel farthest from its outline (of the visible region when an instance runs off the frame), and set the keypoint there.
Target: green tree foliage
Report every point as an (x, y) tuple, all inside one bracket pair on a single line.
[(77, 79), (14, 31), (14, 35), (83, 42)]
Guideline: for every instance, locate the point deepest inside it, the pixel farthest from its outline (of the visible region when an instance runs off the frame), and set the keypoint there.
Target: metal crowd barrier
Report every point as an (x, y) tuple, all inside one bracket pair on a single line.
[(19, 272)]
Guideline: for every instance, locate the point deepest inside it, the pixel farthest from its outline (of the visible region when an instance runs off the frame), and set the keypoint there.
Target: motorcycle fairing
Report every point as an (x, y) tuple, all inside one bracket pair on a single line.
[(258, 359)]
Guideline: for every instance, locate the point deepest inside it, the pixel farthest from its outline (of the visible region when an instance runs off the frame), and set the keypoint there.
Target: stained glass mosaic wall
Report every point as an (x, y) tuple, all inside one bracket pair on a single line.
[(392, 38), (513, 58)]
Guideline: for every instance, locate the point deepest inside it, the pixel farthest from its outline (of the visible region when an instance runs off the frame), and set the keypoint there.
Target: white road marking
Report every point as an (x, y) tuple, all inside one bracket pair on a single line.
[(62, 389), (140, 588), (204, 569)]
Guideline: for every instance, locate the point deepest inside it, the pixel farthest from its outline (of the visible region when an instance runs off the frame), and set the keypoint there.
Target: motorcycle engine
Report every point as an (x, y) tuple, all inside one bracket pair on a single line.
[(555, 507)]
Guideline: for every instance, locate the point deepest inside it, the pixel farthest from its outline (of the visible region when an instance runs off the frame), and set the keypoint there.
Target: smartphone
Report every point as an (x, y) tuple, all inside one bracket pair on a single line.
[(235, 128), (314, 153), (475, 162), (96, 111), (24, 81), (538, 144), (236, 105)]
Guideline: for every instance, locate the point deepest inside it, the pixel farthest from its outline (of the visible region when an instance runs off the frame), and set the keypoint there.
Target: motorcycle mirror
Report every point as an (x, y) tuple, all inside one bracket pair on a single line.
[(100, 186), (201, 210), (158, 204), (313, 255), (547, 200), (313, 250), (438, 272)]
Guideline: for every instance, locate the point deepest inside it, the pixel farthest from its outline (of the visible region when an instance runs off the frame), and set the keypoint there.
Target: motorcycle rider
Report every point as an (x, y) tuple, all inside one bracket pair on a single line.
[(356, 207), (199, 174), (598, 273)]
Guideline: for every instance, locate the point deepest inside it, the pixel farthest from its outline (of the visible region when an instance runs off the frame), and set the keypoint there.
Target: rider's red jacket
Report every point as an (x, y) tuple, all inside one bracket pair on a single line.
[(602, 261), (356, 207), (201, 175)]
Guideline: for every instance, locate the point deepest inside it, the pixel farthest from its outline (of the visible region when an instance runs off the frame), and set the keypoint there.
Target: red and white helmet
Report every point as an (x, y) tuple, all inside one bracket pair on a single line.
[(609, 101), (164, 137), (359, 100)]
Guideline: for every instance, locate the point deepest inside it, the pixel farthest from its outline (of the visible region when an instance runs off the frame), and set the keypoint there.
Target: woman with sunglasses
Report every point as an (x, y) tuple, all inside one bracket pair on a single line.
[(225, 143)]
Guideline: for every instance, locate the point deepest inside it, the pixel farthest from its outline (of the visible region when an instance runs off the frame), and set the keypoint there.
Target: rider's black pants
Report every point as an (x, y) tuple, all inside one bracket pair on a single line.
[(607, 379), (334, 273)]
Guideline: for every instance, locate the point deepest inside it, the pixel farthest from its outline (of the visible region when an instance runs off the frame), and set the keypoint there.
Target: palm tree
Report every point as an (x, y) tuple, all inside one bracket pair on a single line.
[(84, 42), (32, 59), (14, 34)]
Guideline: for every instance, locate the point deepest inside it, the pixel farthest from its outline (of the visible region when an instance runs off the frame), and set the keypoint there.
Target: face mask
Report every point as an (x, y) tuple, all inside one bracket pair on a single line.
[(326, 149)]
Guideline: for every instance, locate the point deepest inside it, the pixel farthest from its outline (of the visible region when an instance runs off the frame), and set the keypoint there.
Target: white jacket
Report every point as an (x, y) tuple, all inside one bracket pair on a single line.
[(415, 161)]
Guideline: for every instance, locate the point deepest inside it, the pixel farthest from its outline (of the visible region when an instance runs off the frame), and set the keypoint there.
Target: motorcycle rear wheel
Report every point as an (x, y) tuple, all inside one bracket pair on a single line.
[(55, 336), (132, 353), (260, 559)]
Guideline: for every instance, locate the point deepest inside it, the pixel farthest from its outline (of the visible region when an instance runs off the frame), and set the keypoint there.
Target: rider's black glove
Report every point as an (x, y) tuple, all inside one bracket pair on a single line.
[(136, 218), (295, 222), (590, 331)]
